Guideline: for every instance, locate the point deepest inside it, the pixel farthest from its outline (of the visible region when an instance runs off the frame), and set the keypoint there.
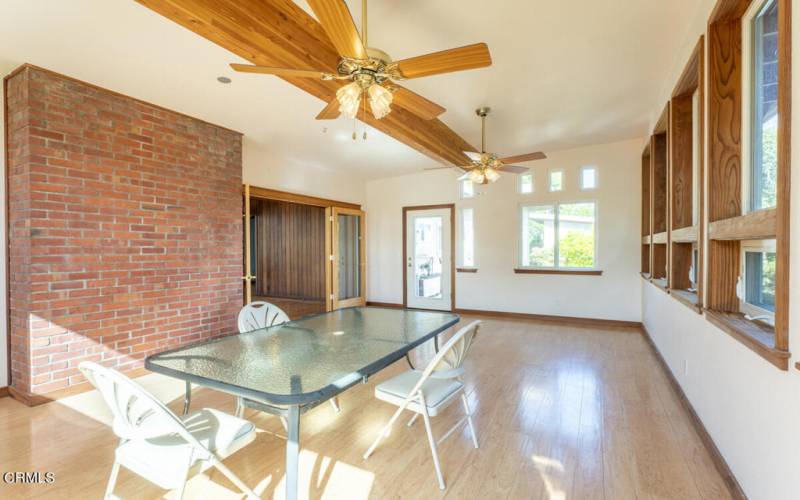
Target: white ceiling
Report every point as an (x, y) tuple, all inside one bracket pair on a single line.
[(565, 74)]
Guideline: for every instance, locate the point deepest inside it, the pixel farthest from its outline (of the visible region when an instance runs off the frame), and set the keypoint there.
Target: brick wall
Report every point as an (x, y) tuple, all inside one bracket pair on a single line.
[(125, 229)]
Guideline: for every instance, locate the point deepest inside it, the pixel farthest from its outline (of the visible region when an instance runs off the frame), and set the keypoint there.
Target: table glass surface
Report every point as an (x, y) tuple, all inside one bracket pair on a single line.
[(307, 360)]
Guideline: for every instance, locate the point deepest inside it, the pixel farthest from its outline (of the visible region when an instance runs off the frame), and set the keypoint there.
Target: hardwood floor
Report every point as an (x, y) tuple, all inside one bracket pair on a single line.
[(561, 412)]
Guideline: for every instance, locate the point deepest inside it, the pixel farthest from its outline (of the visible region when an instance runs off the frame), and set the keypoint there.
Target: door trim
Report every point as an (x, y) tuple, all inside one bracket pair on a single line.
[(452, 208), (361, 300)]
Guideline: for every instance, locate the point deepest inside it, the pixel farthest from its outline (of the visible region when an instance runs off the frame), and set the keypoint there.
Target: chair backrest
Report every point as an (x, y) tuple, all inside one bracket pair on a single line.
[(137, 414), (449, 360), (258, 314)]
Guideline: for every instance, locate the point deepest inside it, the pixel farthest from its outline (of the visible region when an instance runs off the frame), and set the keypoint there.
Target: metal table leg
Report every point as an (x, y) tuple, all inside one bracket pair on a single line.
[(292, 452), (187, 398), (435, 348)]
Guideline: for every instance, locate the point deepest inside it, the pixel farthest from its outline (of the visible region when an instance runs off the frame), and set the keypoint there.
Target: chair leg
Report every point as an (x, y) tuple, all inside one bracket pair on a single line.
[(234, 479), (112, 481), (285, 424), (385, 431), (239, 407), (335, 403), (469, 419), (187, 398), (432, 442), (412, 419), (181, 490)]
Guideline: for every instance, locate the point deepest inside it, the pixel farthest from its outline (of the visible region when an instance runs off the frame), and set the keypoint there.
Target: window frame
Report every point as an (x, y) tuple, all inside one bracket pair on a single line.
[(596, 178), (556, 223), (519, 184), (550, 173), (750, 81), (461, 194), (461, 240), (757, 246)]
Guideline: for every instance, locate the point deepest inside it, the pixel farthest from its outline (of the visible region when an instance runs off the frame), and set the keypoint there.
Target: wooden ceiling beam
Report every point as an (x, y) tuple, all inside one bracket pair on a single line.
[(279, 33)]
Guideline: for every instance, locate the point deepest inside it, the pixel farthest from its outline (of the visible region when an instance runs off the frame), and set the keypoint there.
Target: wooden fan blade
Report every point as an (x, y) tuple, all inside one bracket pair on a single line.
[(528, 157), (513, 169), (331, 111), (338, 24), (460, 169), (267, 70), (472, 155), (446, 61), (420, 106)]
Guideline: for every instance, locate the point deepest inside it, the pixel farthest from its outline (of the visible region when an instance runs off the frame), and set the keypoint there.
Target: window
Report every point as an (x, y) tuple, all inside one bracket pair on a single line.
[(588, 178), (467, 238), (693, 270), (756, 287), (558, 235), (556, 180), (696, 159), (467, 189), (526, 183), (761, 112)]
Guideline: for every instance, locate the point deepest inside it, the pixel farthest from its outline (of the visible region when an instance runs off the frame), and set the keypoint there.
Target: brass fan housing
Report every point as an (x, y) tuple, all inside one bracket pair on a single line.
[(366, 71)]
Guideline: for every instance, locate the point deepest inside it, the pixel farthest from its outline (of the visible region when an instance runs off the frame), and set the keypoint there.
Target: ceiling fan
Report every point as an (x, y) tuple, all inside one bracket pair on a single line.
[(485, 166), (371, 71)]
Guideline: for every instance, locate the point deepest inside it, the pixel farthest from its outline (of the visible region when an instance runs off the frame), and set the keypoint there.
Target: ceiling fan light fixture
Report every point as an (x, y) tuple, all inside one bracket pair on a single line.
[(349, 98), (491, 174), (380, 100), (476, 176)]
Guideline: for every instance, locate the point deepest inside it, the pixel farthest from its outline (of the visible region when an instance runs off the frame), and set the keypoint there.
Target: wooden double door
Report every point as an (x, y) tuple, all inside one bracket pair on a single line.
[(302, 249)]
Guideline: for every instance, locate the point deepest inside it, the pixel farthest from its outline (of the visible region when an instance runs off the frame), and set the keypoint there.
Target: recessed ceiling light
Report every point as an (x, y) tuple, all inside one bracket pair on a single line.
[(223, 79)]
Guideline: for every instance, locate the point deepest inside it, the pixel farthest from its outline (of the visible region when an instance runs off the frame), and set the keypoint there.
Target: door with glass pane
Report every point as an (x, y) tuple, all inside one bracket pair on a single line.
[(348, 259), (428, 257)]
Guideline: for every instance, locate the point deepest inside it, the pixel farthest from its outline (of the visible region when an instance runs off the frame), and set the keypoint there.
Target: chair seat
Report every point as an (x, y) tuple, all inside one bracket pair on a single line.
[(164, 459), (438, 392)]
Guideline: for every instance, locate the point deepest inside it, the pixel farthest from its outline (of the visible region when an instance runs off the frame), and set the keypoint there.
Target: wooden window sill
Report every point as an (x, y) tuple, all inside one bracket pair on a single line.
[(466, 269), (660, 238), (687, 298), (645, 276), (574, 272), (758, 225), (758, 337), (684, 235), (660, 283)]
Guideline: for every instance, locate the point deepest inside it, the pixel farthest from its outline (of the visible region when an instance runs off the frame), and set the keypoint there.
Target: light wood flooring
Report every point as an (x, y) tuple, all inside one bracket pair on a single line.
[(562, 412)]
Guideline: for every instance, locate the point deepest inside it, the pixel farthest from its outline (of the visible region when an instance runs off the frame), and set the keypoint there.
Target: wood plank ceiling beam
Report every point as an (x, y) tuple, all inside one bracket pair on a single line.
[(279, 33)]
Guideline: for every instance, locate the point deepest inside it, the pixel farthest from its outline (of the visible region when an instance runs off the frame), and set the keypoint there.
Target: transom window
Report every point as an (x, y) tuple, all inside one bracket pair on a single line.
[(556, 180), (588, 178), (526, 183), (558, 235), (467, 189)]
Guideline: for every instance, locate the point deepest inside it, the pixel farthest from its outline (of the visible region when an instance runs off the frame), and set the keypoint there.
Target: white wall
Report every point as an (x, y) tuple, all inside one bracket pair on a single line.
[(615, 295), (750, 408), (263, 168)]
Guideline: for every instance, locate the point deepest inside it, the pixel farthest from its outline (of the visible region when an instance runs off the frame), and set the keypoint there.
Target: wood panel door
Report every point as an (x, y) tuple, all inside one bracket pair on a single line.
[(348, 258)]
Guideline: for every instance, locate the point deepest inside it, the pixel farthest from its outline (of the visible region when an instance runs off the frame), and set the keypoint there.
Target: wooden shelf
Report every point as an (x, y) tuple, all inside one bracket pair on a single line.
[(660, 238), (687, 298), (758, 225), (645, 276), (757, 336), (466, 269), (646, 240), (684, 235), (661, 283)]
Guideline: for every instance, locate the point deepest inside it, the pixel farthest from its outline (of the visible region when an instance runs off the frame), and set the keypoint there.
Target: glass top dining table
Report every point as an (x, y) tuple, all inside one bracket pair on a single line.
[(297, 365)]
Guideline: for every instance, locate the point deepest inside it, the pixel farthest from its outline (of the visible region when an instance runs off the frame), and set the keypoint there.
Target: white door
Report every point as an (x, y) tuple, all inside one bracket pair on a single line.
[(428, 259)]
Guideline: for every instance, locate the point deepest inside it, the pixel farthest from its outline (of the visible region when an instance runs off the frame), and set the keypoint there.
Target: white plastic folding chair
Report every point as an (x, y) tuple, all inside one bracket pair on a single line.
[(161, 447), (430, 391)]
